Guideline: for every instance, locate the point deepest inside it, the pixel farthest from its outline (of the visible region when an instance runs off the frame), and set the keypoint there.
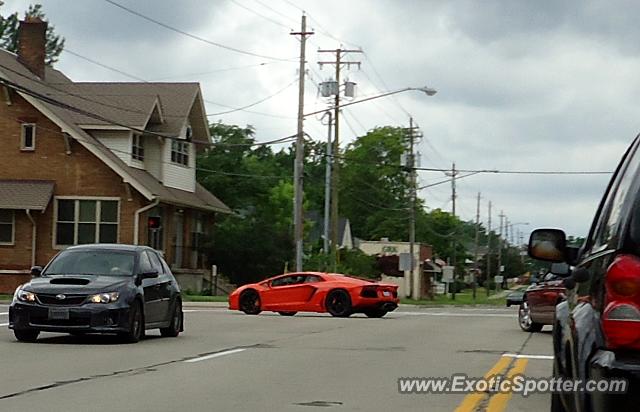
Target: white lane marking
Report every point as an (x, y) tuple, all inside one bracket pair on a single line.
[(519, 356), (202, 310), (4, 313), (4, 324), (487, 315), (216, 355)]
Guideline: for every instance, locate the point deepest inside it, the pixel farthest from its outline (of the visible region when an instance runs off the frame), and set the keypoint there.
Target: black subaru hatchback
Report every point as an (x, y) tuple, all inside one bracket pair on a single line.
[(103, 288)]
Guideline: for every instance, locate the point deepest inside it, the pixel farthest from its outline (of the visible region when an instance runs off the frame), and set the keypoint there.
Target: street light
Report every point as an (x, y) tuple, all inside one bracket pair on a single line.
[(333, 204), (425, 89)]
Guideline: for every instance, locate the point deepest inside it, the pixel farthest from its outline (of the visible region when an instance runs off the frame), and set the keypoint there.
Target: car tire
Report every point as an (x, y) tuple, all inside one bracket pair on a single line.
[(524, 319), (338, 303), (136, 324), (250, 302), (287, 313), (175, 326), (556, 402), (26, 335), (375, 313)]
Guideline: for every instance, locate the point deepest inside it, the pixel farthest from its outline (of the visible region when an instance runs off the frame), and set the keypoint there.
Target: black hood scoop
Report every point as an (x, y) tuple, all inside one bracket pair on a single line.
[(69, 281)]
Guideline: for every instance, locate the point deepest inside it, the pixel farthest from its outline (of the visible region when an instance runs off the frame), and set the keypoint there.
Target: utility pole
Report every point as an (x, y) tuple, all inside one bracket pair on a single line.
[(453, 175), (298, 217), (475, 259), (327, 188), (412, 208), (335, 170), (502, 216), (488, 275)]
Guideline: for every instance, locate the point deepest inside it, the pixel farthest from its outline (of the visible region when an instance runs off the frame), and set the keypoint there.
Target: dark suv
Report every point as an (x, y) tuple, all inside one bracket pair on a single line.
[(119, 289), (597, 329)]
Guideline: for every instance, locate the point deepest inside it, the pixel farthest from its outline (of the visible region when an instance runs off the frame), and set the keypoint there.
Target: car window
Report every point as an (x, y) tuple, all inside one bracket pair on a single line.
[(619, 193), (288, 280), (313, 279), (155, 262), (144, 264), (95, 262)]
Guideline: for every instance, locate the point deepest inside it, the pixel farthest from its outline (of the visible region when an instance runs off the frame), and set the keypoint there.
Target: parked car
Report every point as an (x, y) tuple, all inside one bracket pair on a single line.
[(340, 295), (538, 303), (597, 328), (104, 288)]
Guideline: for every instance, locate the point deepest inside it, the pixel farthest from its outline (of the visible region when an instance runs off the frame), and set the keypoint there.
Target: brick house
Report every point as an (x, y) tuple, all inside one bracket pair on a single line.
[(97, 162)]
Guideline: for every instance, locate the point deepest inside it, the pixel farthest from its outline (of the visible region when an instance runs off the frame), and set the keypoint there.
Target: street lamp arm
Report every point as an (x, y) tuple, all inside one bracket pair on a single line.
[(429, 91)]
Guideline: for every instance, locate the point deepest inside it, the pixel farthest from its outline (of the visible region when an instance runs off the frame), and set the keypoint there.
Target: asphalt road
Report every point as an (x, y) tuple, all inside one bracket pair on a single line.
[(228, 361)]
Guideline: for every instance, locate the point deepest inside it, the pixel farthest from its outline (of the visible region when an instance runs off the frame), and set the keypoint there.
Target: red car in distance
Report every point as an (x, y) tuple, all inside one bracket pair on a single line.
[(538, 307), (340, 295)]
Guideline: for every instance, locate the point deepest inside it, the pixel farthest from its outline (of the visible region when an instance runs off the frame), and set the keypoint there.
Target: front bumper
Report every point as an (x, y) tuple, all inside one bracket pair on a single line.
[(90, 317), (609, 365)]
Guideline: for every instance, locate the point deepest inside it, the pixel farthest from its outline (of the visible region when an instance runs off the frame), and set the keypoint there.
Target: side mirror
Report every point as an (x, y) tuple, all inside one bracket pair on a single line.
[(149, 275), (549, 245), (36, 271)]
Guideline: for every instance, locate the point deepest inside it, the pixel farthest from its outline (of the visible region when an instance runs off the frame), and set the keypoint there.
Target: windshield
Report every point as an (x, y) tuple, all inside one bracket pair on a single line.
[(95, 262)]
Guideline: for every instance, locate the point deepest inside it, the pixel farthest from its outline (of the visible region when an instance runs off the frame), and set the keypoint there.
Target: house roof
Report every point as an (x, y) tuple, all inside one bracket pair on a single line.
[(25, 194), (317, 231), (130, 104)]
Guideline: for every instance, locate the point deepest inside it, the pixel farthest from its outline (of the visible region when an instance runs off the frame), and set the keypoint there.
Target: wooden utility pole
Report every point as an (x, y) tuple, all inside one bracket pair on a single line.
[(298, 217), (475, 259), (335, 170), (412, 212), (488, 274)]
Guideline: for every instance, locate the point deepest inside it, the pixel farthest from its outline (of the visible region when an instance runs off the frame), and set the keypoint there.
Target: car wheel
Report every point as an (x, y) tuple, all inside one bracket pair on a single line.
[(136, 324), (375, 313), (524, 319), (338, 303), (26, 335), (175, 326), (287, 313), (250, 302)]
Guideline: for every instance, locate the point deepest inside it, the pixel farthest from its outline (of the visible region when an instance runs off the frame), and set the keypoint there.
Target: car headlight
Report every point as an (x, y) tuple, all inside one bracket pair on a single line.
[(24, 296), (104, 297)]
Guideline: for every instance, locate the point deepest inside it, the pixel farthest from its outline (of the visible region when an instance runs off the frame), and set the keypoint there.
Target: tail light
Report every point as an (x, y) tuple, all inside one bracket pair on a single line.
[(369, 292), (621, 316)]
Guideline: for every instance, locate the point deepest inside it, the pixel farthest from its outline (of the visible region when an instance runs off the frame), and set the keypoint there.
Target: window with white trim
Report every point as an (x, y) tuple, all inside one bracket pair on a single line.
[(80, 221), (137, 147), (7, 223), (28, 136), (180, 152)]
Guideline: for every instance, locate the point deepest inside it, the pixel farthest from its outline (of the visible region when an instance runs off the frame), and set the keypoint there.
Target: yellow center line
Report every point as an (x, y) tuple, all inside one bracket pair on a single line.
[(472, 400), (498, 402)]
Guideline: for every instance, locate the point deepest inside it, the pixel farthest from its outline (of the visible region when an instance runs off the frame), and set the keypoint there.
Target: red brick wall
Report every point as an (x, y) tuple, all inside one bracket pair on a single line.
[(9, 283), (78, 174)]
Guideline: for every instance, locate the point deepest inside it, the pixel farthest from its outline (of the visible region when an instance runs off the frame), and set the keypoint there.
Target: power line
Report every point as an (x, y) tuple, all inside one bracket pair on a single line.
[(193, 36), (258, 102), (224, 69), (260, 15), (146, 81)]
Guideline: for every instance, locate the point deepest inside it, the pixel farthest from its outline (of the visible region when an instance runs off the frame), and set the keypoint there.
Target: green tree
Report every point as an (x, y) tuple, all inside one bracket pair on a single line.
[(9, 34)]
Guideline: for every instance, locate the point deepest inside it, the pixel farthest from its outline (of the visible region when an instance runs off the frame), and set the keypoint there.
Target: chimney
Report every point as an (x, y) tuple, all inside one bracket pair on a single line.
[(31, 44)]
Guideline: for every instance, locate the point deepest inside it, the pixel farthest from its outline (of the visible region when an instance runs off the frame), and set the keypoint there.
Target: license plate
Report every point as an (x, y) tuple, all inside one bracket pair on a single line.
[(58, 313), (386, 293)]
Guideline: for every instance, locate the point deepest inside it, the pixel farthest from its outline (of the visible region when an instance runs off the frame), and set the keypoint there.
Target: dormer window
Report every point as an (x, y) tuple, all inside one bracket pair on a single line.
[(180, 152), (137, 147), (28, 137)]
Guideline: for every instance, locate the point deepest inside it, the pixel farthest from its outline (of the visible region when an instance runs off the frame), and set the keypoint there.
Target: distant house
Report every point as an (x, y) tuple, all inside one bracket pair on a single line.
[(316, 234), (96, 162)]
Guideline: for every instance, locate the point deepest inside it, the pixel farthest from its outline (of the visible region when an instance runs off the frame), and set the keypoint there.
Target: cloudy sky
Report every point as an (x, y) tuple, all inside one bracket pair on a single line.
[(522, 85)]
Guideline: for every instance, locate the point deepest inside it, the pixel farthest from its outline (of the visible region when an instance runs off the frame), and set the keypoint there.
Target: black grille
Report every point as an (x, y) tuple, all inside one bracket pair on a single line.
[(37, 320), (69, 300)]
